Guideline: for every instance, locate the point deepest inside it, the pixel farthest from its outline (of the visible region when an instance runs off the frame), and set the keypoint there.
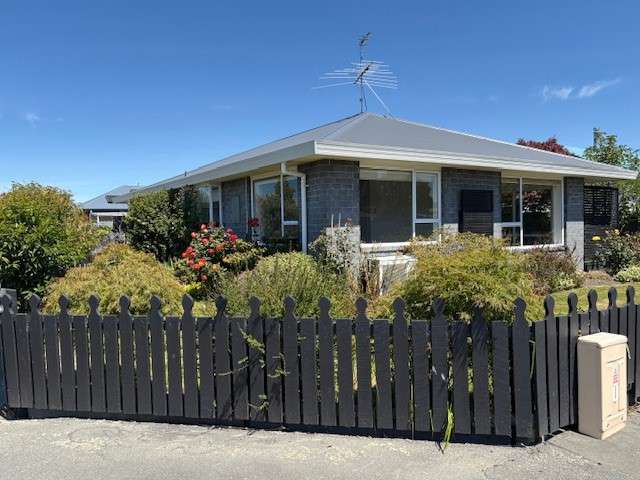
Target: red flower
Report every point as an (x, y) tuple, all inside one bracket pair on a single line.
[(233, 237), (219, 247), (193, 234), (210, 251), (253, 222), (204, 241), (203, 278), (203, 227)]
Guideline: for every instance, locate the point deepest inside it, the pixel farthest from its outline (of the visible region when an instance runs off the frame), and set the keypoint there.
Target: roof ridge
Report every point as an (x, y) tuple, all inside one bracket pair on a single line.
[(481, 137), (349, 118)]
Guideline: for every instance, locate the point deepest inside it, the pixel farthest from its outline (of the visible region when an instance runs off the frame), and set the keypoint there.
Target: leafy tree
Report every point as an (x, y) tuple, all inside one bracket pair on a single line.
[(161, 222), (606, 149), (550, 145), (43, 233)]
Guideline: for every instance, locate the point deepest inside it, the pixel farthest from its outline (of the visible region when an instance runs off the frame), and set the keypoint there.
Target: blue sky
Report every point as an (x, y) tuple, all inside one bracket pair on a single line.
[(97, 94)]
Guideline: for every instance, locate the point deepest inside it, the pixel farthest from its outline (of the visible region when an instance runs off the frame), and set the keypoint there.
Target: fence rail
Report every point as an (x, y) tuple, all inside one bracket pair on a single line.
[(493, 381)]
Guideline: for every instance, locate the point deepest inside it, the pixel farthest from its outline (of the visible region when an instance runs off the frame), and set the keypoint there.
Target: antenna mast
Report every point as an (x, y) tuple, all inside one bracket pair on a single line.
[(364, 74)]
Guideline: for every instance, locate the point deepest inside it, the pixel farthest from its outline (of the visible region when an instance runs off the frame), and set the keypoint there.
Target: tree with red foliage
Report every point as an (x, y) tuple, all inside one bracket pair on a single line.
[(550, 145)]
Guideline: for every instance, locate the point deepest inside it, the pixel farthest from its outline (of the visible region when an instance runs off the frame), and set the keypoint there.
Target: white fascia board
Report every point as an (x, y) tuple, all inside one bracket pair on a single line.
[(337, 150), (225, 171)]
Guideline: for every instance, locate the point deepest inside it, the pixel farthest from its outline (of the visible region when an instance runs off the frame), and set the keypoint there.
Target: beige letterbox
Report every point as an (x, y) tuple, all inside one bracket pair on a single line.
[(602, 384)]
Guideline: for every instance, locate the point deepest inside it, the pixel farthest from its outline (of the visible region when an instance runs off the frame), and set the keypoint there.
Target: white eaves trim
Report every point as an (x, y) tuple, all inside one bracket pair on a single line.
[(314, 149), (244, 166), (349, 150)]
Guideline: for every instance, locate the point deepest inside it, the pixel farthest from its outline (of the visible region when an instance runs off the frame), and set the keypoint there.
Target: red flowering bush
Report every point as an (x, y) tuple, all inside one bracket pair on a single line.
[(212, 252)]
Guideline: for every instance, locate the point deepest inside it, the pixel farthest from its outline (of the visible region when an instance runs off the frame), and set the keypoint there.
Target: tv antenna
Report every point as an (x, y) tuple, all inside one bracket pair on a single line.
[(365, 75)]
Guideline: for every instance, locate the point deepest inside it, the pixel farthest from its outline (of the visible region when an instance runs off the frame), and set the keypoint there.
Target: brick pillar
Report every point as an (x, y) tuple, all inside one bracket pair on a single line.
[(574, 218)]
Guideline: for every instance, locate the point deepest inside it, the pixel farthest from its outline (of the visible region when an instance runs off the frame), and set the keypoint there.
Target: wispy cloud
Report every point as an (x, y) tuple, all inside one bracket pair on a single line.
[(32, 118), (223, 106), (559, 93), (591, 89), (573, 93)]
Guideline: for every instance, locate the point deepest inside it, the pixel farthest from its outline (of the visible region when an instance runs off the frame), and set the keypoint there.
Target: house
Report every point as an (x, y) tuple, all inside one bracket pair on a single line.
[(105, 214), (397, 179)]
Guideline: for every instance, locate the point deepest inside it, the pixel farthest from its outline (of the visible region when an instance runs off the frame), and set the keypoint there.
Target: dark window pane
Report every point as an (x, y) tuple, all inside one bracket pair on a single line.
[(425, 229), (266, 198), (511, 235), (202, 204), (510, 201), (426, 196), (215, 196), (291, 199), (385, 206), (537, 214)]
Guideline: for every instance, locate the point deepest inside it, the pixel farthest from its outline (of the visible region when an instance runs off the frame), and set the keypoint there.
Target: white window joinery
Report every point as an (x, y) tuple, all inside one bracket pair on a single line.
[(396, 205), (531, 211)]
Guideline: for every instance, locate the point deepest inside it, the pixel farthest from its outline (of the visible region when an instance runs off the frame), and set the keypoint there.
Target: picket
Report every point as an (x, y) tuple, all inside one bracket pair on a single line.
[(36, 343), (326, 365), (421, 388), (363, 365), (401, 367), (346, 413), (521, 367), (439, 365), (96, 357), (480, 360), (127, 359), (291, 366), (190, 365), (308, 369), (222, 363), (67, 367), (255, 338), (158, 371), (384, 405)]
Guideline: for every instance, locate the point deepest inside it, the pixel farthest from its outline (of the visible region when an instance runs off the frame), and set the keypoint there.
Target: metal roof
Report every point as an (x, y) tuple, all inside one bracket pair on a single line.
[(101, 203), (369, 135)]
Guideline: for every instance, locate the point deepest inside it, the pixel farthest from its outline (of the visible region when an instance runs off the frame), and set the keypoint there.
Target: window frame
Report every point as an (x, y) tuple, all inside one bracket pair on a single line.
[(436, 220), (301, 223), (520, 224)]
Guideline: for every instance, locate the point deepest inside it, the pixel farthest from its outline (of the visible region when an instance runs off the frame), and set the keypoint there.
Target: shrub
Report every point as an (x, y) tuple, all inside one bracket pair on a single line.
[(117, 270), (616, 251), (629, 274), (212, 252), (294, 274), (160, 222), (338, 248), (42, 234), (465, 270), (552, 271)]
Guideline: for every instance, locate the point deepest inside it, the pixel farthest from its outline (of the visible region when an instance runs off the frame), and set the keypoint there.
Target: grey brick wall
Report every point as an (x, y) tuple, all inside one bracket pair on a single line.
[(236, 204), (333, 188), (454, 180), (574, 218)]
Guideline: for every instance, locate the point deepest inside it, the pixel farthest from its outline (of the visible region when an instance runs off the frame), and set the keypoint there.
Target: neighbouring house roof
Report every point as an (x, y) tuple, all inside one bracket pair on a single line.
[(101, 203), (373, 136)]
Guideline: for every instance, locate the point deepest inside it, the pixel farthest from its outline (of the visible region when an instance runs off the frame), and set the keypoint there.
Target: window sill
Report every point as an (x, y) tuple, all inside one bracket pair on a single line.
[(390, 247), (554, 247)]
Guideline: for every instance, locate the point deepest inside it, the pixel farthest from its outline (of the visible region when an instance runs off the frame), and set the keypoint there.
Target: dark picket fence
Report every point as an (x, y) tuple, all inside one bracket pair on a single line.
[(510, 382)]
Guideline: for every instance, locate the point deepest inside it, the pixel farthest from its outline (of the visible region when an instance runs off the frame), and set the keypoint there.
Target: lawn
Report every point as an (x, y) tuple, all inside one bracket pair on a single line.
[(560, 298)]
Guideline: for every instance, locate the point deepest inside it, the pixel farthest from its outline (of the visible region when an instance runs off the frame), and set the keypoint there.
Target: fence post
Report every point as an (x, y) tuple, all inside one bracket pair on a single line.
[(9, 383)]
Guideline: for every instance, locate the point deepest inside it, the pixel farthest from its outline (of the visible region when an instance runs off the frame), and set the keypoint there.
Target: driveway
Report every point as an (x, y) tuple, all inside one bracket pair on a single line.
[(73, 449)]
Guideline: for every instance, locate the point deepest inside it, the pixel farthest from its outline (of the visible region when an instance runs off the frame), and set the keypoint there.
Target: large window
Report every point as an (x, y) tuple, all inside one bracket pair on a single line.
[(208, 205), (531, 211), (397, 205), (277, 206)]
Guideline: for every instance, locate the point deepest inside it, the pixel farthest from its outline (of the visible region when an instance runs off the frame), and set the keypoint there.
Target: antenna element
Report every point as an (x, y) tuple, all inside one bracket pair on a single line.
[(363, 74)]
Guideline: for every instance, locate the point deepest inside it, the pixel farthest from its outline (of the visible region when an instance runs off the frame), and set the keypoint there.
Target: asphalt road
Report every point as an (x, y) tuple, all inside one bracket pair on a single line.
[(73, 449)]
